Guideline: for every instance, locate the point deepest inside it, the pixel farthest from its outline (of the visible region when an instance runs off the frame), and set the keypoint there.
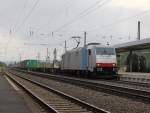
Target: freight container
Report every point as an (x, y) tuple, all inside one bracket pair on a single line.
[(31, 63)]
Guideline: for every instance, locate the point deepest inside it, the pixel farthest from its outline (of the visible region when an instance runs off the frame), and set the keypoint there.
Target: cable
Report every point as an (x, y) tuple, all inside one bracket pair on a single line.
[(84, 13), (28, 15), (100, 5), (59, 11), (121, 20), (23, 22), (79, 15), (21, 14), (90, 9), (39, 44)]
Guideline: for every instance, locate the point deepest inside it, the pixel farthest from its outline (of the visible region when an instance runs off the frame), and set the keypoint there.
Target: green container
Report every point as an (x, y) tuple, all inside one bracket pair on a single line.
[(32, 63)]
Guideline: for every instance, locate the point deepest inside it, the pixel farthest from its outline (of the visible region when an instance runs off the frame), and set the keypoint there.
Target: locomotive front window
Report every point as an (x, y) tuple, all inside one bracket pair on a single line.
[(105, 51)]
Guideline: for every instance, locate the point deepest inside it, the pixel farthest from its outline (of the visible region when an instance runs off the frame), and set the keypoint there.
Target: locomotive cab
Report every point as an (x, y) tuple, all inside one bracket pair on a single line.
[(101, 59), (106, 60)]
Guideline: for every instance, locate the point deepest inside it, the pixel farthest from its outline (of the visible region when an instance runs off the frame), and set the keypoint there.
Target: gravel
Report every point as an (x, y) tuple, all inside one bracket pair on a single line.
[(114, 104), (52, 99), (31, 103)]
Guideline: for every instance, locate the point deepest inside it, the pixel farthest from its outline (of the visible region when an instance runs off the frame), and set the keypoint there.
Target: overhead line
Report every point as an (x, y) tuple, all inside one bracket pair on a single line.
[(100, 5), (23, 22), (20, 14), (28, 15), (121, 20), (84, 13), (60, 10)]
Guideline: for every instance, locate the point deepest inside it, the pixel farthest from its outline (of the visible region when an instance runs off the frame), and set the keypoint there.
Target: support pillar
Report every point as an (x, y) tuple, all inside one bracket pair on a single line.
[(130, 64)]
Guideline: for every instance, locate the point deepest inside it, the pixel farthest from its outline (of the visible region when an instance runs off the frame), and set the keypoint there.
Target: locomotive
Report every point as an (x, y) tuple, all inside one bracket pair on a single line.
[(93, 59)]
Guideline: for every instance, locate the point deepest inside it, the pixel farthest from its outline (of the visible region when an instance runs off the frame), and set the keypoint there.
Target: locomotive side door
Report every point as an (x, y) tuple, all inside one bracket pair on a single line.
[(89, 60)]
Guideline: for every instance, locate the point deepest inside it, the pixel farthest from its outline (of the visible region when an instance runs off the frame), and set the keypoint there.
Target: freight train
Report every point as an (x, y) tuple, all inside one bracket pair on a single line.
[(92, 60)]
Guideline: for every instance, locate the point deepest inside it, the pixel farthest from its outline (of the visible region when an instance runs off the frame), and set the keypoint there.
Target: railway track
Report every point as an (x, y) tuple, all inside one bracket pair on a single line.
[(53, 100), (147, 85), (137, 84), (136, 94)]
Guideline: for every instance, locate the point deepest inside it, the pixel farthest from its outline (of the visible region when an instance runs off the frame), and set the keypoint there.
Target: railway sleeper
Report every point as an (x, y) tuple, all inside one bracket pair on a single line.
[(67, 106), (71, 111)]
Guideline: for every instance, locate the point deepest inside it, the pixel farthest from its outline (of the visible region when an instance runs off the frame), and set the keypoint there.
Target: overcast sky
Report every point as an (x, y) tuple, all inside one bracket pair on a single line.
[(29, 27)]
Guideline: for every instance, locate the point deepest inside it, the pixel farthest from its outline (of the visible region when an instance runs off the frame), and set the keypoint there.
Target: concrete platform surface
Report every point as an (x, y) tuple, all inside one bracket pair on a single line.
[(10, 100), (135, 76)]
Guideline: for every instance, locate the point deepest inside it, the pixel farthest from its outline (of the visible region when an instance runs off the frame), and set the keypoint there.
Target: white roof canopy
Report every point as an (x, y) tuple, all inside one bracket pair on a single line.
[(134, 45)]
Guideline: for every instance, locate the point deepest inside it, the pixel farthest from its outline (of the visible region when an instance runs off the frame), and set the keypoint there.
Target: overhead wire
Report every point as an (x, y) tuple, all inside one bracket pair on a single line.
[(52, 17), (59, 11), (38, 44), (21, 14), (28, 15), (85, 12), (121, 20), (23, 22), (97, 7)]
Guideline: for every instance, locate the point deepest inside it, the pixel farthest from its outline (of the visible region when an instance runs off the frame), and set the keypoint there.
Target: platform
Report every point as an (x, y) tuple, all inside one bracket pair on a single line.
[(135, 77), (10, 100)]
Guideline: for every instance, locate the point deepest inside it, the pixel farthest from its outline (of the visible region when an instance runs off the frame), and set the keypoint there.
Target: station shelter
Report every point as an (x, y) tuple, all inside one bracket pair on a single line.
[(134, 56)]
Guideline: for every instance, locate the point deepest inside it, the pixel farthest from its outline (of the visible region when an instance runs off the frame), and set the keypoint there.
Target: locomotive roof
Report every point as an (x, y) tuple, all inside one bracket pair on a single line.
[(100, 45), (93, 44), (89, 46), (74, 50)]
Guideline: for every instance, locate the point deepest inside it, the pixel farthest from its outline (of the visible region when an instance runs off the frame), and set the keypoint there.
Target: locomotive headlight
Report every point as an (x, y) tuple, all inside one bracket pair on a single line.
[(114, 64), (98, 65)]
